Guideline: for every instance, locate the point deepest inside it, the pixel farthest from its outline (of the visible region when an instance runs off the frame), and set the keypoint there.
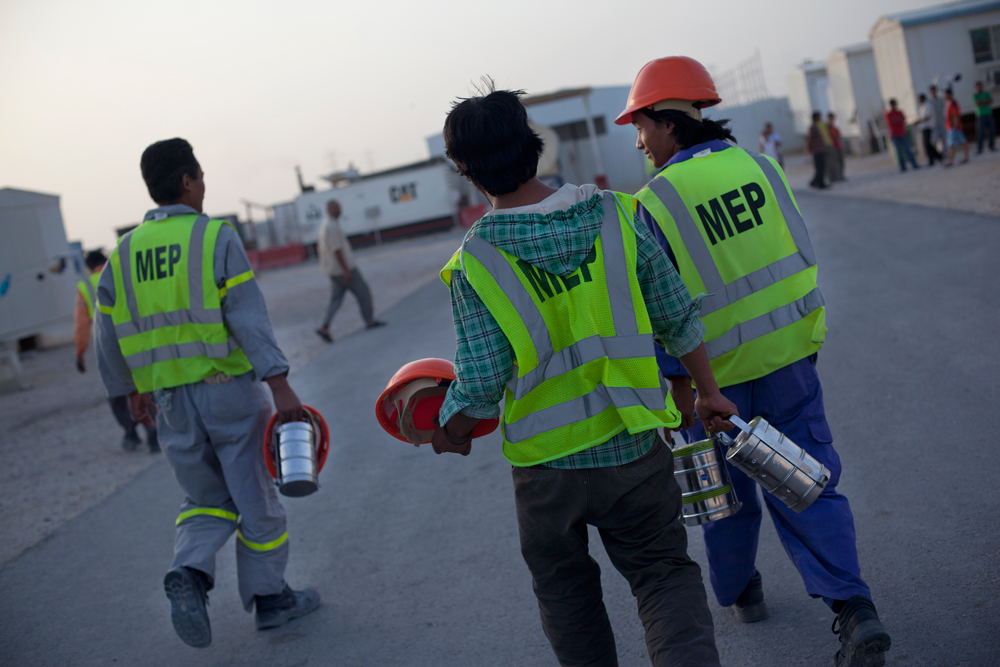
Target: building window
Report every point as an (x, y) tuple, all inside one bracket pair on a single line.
[(578, 129), (985, 44)]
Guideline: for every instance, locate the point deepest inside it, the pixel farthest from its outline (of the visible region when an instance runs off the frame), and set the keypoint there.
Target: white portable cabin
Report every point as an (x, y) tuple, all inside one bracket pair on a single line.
[(931, 45), (38, 270), (412, 199), (808, 91), (855, 95)]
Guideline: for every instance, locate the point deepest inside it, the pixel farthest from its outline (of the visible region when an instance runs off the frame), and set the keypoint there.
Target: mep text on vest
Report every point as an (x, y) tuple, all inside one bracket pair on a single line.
[(547, 285), (717, 223), (156, 263)]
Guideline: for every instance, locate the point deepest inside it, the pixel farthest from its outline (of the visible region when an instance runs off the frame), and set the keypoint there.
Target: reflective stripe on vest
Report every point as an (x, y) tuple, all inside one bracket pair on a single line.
[(627, 343)]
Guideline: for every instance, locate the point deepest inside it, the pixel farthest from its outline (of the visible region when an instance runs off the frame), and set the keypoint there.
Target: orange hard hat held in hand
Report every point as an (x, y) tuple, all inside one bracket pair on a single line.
[(408, 408), (668, 79)]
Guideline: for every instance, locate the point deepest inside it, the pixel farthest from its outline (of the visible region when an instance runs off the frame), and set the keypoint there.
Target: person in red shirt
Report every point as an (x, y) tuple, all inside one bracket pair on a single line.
[(896, 122), (953, 127)]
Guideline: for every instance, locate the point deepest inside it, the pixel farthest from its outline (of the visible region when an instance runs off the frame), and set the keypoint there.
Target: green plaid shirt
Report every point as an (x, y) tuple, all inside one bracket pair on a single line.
[(557, 242)]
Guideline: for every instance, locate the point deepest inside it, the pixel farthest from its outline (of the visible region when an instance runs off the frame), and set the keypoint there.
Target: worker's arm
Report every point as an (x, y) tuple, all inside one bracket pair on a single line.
[(81, 330), (484, 362), (339, 255), (245, 315), (676, 326)]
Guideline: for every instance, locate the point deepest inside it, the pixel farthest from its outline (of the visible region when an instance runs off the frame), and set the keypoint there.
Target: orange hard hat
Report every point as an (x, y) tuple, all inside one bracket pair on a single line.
[(670, 78), (408, 408)]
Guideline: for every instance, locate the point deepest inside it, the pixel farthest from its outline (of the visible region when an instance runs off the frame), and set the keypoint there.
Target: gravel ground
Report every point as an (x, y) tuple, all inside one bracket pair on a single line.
[(60, 443), (971, 187)]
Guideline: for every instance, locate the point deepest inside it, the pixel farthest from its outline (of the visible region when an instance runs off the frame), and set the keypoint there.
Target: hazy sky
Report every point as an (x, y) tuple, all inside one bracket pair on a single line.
[(259, 87)]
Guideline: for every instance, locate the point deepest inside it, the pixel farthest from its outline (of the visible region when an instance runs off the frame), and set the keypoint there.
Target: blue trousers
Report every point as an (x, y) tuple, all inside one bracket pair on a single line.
[(821, 540)]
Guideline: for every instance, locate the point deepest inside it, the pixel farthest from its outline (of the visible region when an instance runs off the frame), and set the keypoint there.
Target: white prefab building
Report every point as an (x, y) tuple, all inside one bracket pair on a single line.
[(412, 199), (38, 270), (855, 96), (808, 91), (951, 45)]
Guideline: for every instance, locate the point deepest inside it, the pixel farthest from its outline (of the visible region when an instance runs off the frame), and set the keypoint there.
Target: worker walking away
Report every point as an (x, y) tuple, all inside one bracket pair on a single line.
[(336, 259), (83, 316), (183, 320), (727, 218), (557, 297)]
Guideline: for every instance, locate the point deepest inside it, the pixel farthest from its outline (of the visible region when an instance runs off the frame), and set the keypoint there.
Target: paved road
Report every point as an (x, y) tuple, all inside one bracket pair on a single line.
[(416, 555)]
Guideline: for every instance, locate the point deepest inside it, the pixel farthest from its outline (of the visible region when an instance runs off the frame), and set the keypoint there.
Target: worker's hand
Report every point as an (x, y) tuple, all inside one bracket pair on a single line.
[(457, 430), (286, 402), (442, 444), (712, 410), (141, 407), (80, 365), (683, 394), (347, 277)]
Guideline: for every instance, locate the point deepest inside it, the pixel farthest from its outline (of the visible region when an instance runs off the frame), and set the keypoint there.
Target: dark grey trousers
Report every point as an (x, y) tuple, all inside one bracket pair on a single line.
[(636, 509), (361, 292)]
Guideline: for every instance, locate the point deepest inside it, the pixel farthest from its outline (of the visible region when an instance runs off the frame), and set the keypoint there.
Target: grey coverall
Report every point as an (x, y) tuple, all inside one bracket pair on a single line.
[(212, 432)]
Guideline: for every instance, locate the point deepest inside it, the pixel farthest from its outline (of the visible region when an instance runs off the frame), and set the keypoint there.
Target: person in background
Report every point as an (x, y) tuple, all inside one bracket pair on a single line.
[(953, 126), (816, 146), (769, 144), (985, 125), (896, 122), (926, 126), (835, 156), (336, 259), (939, 136), (83, 316)]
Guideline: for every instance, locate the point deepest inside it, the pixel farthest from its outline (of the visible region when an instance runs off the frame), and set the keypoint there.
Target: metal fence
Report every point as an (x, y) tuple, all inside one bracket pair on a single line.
[(742, 84)]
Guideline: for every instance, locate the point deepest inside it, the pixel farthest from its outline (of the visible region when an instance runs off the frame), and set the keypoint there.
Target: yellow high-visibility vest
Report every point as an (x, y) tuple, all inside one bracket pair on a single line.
[(583, 343), (168, 313), (737, 234), (88, 289)]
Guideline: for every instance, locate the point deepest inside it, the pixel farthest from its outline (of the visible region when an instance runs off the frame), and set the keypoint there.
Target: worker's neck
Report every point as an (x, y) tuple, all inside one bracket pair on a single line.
[(186, 201), (530, 192)]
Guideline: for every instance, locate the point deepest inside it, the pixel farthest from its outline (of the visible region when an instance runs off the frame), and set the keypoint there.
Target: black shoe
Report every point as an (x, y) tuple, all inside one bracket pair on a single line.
[(375, 324), (153, 442), (131, 440), (325, 335), (749, 606), (275, 610), (863, 638), (187, 591)]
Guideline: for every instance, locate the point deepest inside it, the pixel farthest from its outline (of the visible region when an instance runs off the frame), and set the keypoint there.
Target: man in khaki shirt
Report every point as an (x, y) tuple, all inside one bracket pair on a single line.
[(336, 259)]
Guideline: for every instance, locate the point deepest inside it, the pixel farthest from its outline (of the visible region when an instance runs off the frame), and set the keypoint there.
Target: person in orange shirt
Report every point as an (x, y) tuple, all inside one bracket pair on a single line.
[(83, 317)]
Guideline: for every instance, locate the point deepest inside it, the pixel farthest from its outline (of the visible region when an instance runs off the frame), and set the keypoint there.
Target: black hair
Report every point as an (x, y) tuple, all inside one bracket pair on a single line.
[(817, 115), (688, 131), (892, 101), (489, 140), (921, 97), (163, 164), (94, 259)]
